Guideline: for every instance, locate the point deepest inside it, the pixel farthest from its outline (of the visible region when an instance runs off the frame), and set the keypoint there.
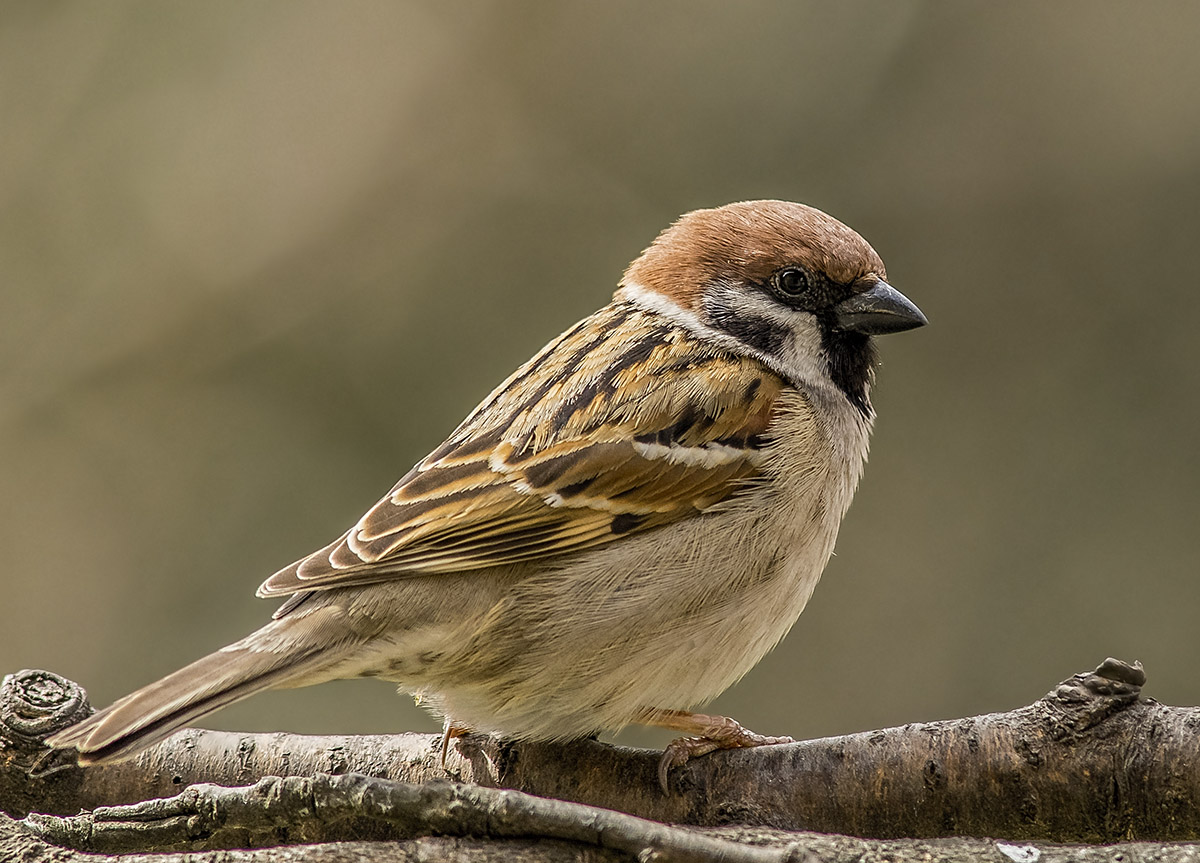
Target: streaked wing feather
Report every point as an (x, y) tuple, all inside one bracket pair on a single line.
[(665, 429)]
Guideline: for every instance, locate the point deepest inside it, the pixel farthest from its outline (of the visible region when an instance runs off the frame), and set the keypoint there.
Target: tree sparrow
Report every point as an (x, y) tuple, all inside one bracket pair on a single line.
[(620, 531)]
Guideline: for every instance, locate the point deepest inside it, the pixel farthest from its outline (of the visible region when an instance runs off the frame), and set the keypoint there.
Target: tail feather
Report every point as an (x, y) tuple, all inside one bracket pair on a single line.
[(151, 714)]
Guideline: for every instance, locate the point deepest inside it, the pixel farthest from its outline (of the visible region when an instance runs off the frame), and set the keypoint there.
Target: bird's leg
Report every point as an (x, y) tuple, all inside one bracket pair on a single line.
[(708, 733), (451, 729)]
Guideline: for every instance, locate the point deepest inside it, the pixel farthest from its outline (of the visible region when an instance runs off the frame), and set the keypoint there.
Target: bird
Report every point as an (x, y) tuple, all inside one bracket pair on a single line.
[(619, 531)]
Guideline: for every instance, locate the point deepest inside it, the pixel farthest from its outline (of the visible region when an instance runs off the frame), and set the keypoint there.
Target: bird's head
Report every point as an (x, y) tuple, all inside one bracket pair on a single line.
[(780, 281)]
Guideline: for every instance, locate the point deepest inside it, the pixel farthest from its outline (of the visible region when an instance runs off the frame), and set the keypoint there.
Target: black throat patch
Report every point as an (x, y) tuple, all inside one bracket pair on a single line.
[(851, 358)]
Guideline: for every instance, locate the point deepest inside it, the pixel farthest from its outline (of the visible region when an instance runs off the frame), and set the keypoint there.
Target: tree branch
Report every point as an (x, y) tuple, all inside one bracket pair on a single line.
[(326, 808), (1090, 761)]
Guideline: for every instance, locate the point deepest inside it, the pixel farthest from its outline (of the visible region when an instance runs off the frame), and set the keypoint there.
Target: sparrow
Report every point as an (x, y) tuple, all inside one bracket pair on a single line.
[(619, 531)]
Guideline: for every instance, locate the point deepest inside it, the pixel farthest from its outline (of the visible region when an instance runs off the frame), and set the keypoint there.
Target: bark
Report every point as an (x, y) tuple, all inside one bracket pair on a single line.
[(18, 842), (1089, 762)]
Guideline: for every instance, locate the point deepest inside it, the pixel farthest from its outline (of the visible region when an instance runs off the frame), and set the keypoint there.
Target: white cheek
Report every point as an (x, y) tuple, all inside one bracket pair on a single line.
[(800, 359), (800, 356)]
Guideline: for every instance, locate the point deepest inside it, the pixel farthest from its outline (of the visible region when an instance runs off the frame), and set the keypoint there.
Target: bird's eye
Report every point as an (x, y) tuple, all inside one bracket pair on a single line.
[(791, 282)]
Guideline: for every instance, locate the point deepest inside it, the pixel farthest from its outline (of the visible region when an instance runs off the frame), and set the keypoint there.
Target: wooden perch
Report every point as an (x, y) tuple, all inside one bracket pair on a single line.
[(1089, 762)]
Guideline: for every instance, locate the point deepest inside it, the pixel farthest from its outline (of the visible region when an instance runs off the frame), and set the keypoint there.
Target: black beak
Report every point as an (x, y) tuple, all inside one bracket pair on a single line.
[(881, 309)]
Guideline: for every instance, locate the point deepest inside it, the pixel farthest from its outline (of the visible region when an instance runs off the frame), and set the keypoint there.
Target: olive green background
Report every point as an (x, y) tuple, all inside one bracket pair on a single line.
[(256, 259)]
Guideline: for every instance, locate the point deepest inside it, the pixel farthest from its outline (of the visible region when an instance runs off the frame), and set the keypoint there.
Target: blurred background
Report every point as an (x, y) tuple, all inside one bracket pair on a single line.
[(260, 258)]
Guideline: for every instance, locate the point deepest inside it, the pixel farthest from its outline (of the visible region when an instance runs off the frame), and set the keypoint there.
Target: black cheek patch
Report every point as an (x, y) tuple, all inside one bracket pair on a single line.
[(763, 335)]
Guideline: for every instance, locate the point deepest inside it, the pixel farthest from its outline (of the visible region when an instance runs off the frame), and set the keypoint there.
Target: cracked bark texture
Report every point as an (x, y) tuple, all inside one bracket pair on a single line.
[(1089, 762)]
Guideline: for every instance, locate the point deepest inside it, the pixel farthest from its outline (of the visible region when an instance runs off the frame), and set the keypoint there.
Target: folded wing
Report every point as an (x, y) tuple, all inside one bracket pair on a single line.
[(570, 452)]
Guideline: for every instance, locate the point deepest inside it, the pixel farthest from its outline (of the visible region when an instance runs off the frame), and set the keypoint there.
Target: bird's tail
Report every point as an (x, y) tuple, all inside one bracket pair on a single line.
[(287, 652)]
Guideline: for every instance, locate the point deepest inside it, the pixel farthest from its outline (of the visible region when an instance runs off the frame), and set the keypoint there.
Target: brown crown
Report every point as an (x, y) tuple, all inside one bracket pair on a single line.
[(747, 242)]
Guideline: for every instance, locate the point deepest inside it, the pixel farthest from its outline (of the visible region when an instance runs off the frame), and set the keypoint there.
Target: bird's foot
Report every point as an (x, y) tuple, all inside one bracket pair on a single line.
[(709, 733), (450, 730)]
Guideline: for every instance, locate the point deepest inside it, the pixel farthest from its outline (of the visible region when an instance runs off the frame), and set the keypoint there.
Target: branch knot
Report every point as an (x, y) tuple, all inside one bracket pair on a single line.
[(34, 704)]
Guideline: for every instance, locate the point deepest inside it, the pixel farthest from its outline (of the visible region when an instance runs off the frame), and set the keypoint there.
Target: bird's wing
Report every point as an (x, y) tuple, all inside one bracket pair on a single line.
[(622, 424)]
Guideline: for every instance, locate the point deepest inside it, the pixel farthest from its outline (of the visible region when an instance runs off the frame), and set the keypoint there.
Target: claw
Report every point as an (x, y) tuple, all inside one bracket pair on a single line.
[(450, 730), (715, 732), (670, 758), (677, 753)]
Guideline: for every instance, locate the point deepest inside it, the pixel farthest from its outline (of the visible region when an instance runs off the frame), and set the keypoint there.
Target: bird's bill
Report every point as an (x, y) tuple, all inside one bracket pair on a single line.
[(881, 309)]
